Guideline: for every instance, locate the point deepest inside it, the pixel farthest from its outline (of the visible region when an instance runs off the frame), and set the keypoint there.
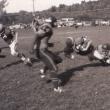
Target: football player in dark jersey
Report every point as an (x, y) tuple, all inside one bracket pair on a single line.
[(50, 60), (69, 48), (83, 46)]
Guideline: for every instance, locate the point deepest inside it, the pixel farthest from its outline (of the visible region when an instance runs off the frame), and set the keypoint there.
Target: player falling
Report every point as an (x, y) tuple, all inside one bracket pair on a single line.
[(10, 37), (43, 34)]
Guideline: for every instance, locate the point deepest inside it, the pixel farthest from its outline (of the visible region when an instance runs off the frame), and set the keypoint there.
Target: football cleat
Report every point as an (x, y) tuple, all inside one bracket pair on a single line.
[(58, 90), (28, 62), (72, 57), (42, 75)]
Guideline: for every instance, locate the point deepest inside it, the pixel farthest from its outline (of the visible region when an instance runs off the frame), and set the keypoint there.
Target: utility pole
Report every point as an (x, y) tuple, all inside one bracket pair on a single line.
[(33, 7)]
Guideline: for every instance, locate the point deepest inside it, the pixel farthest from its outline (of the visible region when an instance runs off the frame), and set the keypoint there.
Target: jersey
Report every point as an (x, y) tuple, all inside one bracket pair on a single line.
[(7, 35), (47, 28), (46, 31)]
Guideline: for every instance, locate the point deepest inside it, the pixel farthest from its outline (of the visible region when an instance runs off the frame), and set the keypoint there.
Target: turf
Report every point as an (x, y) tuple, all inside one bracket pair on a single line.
[(86, 84)]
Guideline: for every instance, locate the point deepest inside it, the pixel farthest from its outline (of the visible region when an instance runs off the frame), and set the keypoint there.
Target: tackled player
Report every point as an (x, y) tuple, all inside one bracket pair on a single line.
[(10, 37)]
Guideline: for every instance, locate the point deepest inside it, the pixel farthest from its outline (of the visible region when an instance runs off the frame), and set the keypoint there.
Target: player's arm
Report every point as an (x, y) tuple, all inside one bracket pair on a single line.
[(33, 43), (77, 48), (34, 29), (14, 33), (33, 26), (16, 37), (36, 40), (87, 46)]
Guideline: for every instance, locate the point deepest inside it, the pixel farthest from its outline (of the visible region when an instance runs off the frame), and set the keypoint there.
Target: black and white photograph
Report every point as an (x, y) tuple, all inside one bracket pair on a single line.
[(54, 54)]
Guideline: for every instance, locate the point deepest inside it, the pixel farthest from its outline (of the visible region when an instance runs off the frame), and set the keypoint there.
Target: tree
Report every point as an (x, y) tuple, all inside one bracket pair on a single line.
[(69, 8), (3, 14), (53, 9), (3, 4), (62, 7)]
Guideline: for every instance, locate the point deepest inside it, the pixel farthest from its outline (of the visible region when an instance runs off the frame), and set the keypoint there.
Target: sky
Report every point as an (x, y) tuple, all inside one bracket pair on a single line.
[(27, 5)]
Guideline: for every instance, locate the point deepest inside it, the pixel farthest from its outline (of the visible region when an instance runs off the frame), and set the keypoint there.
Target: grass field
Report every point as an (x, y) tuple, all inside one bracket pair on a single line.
[(86, 87)]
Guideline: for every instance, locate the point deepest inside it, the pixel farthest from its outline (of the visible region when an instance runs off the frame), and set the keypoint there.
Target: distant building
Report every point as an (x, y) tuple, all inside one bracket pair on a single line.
[(67, 19), (102, 22)]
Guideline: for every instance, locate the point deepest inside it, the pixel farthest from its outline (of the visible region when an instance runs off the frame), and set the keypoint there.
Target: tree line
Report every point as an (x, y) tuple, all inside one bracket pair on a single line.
[(84, 10), (90, 10)]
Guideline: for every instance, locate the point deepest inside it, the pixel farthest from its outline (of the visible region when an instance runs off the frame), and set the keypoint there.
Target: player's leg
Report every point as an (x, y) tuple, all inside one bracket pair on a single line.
[(14, 52), (49, 62), (43, 72), (97, 55)]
